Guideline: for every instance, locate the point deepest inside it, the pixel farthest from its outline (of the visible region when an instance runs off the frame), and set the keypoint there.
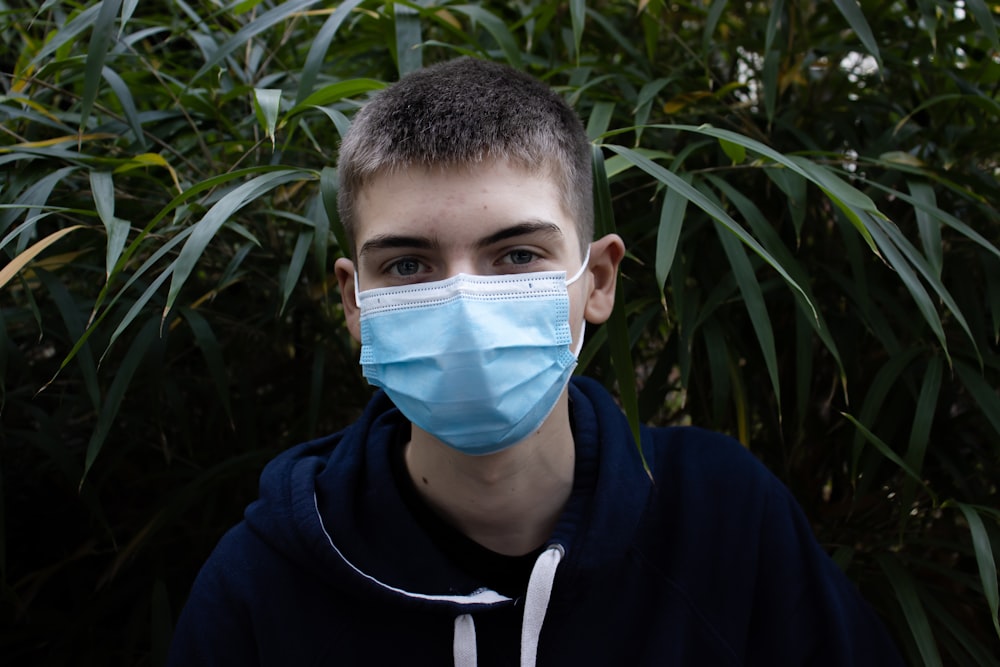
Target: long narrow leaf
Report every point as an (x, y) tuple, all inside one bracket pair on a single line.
[(264, 22), (138, 305), (992, 296), (69, 311), (887, 452), (856, 19), (753, 300), (22, 260), (69, 32), (766, 234), (850, 200), (984, 394), (321, 237), (36, 195), (715, 10), (319, 46), (969, 641), (984, 17), (898, 260), (217, 216), (25, 228), (988, 104), (644, 106), (774, 21), (266, 105), (886, 379), (698, 199), (923, 415), (333, 93), (134, 311), (578, 18), (116, 393), (668, 234), (497, 29), (103, 189), (920, 431), (941, 216), (930, 229), (621, 354), (124, 95), (211, 350), (328, 186), (769, 82), (794, 187), (913, 610), (409, 57), (717, 351), (914, 259), (295, 265), (600, 119), (97, 53), (985, 560)]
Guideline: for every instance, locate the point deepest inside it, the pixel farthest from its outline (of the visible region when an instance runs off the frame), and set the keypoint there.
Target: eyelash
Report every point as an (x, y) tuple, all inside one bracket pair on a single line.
[(532, 256), (392, 267), (506, 258)]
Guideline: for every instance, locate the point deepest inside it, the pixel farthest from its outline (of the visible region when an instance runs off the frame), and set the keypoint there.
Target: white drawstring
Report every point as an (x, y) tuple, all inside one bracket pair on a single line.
[(536, 603), (464, 643)]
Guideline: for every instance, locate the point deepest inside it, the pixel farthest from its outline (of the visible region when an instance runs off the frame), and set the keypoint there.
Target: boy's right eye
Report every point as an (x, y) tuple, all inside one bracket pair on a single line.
[(408, 266)]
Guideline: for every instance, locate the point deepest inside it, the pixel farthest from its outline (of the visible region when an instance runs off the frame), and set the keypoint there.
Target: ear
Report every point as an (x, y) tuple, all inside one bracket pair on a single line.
[(605, 255), (344, 269)]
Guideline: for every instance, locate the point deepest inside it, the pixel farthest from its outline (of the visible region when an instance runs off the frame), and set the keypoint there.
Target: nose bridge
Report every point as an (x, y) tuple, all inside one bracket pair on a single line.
[(460, 258)]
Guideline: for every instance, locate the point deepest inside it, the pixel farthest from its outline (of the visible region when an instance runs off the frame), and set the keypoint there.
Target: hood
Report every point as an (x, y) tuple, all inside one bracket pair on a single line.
[(332, 507)]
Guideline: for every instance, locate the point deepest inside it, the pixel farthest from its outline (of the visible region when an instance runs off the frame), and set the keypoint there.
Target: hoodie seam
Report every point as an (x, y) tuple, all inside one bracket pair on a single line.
[(483, 597)]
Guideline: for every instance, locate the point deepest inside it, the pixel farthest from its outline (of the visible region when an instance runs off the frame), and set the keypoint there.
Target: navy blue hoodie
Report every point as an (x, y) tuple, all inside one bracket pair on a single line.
[(710, 563)]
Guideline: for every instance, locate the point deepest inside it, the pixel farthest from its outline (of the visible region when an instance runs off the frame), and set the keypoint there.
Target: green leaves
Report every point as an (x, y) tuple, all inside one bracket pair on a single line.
[(104, 200), (205, 230), (856, 19), (913, 610), (617, 325), (266, 105), (286, 11), (408, 39), (693, 195), (812, 266), (100, 38), (18, 263), (985, 559)]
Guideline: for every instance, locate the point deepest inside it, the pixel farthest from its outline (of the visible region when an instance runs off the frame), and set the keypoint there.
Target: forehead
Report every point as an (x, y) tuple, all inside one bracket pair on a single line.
[(459, 204)]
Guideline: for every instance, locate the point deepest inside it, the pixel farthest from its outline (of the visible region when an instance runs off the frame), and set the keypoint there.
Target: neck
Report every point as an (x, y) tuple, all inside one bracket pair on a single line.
[(509, 501)]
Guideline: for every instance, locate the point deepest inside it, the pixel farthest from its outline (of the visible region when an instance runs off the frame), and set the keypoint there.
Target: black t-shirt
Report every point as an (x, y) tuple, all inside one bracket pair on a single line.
[(507, 575)]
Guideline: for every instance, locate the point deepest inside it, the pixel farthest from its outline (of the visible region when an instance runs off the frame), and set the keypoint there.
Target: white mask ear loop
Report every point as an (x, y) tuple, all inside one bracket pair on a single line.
[(583, 325), (356, 289), (576, 276)]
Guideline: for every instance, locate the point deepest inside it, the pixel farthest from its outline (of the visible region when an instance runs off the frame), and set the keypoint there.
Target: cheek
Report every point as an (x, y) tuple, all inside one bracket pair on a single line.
[(577, 297)]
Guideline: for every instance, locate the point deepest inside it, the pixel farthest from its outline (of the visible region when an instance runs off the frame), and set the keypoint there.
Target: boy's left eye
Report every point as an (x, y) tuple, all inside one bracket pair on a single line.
[(519, 256)]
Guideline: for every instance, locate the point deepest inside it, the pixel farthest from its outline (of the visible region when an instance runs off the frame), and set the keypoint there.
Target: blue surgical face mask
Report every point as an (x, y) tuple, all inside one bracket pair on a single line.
[(476, 361)]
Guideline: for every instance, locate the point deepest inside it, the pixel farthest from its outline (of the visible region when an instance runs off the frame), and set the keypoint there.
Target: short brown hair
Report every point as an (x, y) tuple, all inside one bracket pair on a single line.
[(461, 113)]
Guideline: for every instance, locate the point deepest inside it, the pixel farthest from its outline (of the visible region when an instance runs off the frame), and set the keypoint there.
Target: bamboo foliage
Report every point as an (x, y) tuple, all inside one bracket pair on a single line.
[(808, 192)]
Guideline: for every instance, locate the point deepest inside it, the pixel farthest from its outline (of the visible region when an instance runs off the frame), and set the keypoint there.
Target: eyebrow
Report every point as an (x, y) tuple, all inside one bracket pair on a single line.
[(521, 229), (390, 241)]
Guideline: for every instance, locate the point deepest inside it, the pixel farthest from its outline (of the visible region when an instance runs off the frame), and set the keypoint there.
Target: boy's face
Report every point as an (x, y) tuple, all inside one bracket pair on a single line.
[(425, 225)]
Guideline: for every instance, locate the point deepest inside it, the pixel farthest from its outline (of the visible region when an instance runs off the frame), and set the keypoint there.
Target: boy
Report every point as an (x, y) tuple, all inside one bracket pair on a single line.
[(485, 509)]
